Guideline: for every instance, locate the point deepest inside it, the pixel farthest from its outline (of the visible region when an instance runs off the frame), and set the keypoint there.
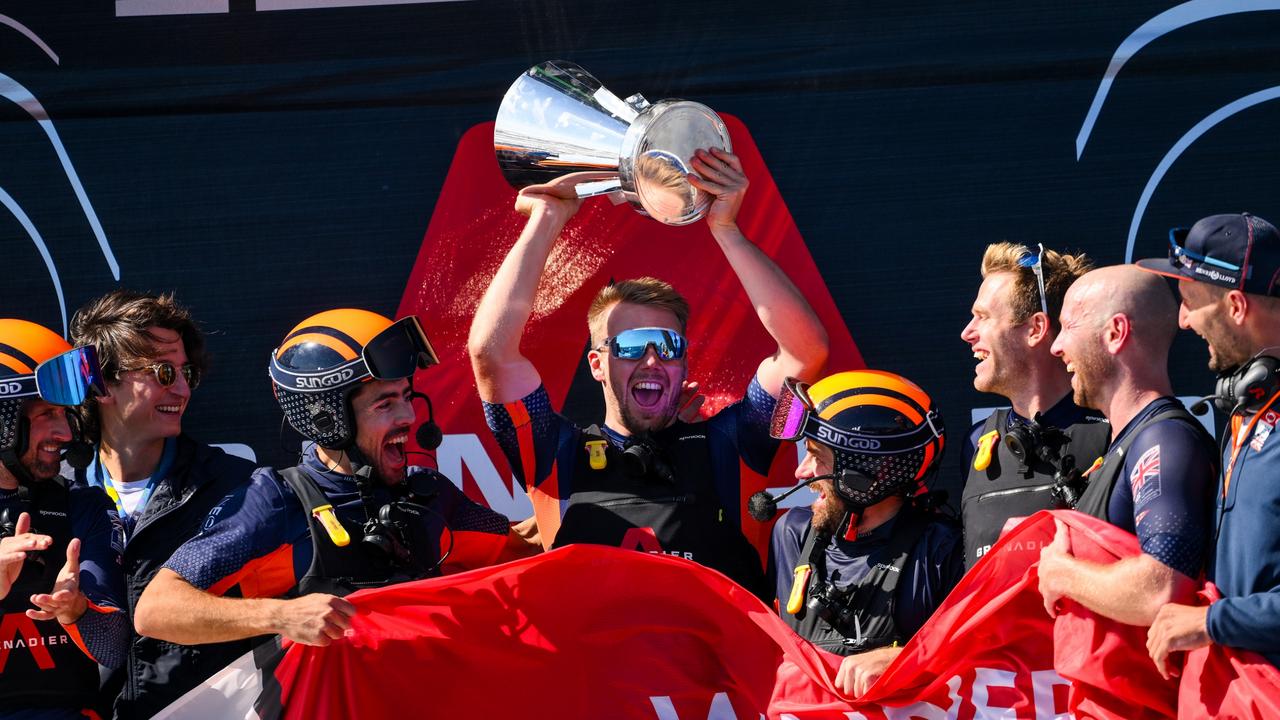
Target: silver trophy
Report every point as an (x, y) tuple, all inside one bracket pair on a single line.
[(557, 119)]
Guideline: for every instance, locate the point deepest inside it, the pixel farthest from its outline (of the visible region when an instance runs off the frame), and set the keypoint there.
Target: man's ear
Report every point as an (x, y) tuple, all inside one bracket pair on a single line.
[(1039, 329), (1236, 306), (1116, 332), (595, 360)]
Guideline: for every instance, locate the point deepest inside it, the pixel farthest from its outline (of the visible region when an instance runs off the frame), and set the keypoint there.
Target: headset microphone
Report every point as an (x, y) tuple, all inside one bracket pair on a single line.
[(762, 506), (428, 434), (1201, 406)]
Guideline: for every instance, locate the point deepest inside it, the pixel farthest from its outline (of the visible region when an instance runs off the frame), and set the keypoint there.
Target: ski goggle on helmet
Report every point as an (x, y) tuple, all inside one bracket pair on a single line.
[(878, 424), (327, 356), (394, 353), (37, 362)]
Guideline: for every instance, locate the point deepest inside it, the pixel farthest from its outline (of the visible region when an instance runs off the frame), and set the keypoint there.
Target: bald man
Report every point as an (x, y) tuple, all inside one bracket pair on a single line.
[(1157, 477)]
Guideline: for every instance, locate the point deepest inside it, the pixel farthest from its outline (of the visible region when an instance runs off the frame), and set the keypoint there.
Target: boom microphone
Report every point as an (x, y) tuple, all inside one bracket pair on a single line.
[(762, 505)]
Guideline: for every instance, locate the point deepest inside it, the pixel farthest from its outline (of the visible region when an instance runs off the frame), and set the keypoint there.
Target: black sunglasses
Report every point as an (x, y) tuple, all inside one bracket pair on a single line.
[(167, 374)]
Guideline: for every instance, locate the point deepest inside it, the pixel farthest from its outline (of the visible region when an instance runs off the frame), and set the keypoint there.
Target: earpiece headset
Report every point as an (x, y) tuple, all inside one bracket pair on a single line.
[(1246, 388)]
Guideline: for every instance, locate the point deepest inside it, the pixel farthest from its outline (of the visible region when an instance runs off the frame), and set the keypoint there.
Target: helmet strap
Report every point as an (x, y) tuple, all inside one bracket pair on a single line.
[(851, 520), (12, 455)]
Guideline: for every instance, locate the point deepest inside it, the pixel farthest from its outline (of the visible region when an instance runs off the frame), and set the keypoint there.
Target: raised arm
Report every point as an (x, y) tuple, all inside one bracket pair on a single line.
[(503, 374), (785, 314)]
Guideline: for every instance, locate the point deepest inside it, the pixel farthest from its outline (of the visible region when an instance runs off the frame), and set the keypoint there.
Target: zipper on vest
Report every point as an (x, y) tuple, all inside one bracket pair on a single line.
[(1014, 491), (646, 501)]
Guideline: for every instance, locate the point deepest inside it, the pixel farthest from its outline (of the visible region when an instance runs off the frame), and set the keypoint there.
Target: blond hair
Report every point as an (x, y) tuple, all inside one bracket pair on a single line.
[(639, 291), (1059, 269)]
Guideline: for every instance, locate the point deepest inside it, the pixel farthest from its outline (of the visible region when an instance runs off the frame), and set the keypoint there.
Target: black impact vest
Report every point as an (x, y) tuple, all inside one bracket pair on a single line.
[(678, 516), (868, 604), (41, 665), (1006, 489), (1097, 497), (343, 570)]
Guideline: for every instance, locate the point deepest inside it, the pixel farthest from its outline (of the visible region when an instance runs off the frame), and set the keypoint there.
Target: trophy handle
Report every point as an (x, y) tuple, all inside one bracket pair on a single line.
[(598, 187)]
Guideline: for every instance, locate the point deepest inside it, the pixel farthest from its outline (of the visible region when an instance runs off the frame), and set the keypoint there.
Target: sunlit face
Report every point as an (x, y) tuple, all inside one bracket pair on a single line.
[(1079, 344), (1204, 311), (138, 406), (998, 342), (828, 509), (383, 412), (48, 432), (641, 395)]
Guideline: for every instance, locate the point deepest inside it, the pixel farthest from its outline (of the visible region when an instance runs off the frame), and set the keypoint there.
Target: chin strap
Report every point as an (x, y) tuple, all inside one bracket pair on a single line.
[(853, 517)]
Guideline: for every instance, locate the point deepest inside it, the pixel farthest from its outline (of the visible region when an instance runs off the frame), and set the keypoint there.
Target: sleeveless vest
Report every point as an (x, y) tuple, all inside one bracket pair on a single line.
[(863, 613), (341, 570), (40, 663), (1007, 489), (678, 515)]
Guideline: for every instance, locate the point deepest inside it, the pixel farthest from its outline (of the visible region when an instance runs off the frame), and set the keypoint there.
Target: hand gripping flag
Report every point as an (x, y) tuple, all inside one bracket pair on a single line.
[(598, 632)]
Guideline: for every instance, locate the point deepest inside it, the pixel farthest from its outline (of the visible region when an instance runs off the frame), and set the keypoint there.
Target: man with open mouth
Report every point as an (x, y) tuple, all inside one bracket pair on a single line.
[(641, 480), (1156, 479), (60, 580), (1028, 457), (279, 555)]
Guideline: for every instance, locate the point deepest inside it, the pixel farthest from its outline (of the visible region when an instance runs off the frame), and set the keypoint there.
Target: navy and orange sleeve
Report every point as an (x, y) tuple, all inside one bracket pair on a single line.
[(539, 445), (245, 542), (103, 631)]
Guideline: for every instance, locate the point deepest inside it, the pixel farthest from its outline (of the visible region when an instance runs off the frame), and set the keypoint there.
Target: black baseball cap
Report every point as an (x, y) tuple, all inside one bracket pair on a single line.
[(1237, 250)]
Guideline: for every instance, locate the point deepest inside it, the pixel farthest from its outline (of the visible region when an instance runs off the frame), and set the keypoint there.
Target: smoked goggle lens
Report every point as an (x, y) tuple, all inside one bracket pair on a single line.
[(791, 413), (399, 350), (69, 378), (631, 344)]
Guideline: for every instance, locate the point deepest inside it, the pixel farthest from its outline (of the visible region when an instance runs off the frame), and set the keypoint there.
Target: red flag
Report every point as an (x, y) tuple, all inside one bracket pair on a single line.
[(592, 631)]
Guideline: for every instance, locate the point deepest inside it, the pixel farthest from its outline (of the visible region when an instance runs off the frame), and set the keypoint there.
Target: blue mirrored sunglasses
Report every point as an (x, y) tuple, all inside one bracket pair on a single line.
[(70, 378), (631, 344), (1035, 262), (1176, 252)]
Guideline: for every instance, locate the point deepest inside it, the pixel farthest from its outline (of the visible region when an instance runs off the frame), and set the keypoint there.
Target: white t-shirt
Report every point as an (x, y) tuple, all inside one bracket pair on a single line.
[(131, 493)]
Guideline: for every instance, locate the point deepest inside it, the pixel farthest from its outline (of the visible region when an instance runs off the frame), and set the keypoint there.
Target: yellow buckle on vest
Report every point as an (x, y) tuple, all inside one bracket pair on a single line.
[(329, 521), (796, 600), (986, 447), (595, 454)]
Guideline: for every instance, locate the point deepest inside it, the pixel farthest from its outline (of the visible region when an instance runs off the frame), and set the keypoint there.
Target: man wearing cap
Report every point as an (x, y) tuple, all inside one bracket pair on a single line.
[(1027, 458), (1228, 271), (162, 482), (277, 556), (863, 568), (61, 589), (643, 480), (1156, 480)]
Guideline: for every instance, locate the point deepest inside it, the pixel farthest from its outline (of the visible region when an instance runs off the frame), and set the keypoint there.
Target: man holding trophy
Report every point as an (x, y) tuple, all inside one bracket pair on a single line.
[(643, 479)]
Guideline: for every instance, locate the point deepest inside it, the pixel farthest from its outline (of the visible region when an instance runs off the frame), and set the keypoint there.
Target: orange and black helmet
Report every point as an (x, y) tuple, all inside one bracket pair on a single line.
[(35, 362), (327, 356), (879, 425)]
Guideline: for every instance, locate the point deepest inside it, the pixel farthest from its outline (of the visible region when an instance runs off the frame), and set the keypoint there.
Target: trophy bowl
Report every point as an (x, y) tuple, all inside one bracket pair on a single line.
[(557, 119)]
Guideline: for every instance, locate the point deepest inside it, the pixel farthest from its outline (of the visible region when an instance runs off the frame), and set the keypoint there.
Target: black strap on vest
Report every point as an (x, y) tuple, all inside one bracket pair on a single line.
[(1005, 489), (678, 508), (43, 667), (338, 570), (1102, 482), (859, 617)]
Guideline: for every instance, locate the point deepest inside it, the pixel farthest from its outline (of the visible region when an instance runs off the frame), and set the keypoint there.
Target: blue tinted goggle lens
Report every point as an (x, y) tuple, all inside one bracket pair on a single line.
[(631, 344), (69, 378)]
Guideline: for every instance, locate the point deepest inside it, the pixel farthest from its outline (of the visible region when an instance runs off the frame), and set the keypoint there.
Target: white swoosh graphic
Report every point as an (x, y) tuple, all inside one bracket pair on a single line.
[(7, 200), (1162, 24)]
